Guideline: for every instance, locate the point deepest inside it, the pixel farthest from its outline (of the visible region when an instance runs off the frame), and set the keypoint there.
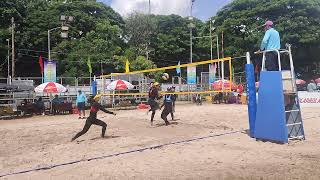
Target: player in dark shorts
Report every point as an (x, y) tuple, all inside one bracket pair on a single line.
[(174, 98), (92, 119), (153, 96), (168, 106)]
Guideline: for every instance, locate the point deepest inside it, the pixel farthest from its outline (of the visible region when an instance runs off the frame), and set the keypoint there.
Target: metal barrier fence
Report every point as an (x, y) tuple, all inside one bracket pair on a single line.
[(71, 81), (73, 84)]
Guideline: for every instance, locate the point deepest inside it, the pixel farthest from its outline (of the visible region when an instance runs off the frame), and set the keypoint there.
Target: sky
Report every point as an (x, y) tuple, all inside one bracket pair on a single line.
[(202, 9)]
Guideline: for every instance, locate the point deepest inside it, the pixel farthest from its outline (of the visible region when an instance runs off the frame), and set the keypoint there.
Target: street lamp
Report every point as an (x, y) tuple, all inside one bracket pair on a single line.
[(8, 59), (191, 26), (64, 31), (49, 48), (149, 7), (217, 41)]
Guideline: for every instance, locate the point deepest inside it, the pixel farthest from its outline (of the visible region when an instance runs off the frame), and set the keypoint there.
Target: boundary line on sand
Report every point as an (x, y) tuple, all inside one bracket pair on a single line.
[(118, 154)]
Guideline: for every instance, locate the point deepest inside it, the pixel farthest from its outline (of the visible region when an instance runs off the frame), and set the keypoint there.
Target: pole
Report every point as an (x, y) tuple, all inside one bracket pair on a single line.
[(252, 102), (218, 54), (222, 63), (12, 50), (149, 7), (222, 45), (191, 31), (190, 44), (49, 51), (90, 82), (101, 67), (211, 39), (8, 58)]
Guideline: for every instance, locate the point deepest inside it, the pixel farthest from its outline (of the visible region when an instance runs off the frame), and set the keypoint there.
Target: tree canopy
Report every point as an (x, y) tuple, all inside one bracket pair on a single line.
[(296, 20), (147, 41)]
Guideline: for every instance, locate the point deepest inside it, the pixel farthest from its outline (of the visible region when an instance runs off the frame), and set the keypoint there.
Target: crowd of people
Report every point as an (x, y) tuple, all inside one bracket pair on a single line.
[(39, 107)]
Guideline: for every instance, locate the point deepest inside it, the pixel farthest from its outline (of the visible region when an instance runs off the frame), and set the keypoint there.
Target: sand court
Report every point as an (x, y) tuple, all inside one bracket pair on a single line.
[(205, 142)]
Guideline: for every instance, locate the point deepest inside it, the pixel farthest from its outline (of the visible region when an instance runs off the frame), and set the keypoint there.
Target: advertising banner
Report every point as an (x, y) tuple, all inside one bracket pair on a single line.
[(192, 74), (50, 68), (309, 99)]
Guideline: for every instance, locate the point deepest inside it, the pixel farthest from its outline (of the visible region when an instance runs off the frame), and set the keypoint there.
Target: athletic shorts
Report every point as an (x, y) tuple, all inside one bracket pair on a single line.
[(81, 106), (153, 104)]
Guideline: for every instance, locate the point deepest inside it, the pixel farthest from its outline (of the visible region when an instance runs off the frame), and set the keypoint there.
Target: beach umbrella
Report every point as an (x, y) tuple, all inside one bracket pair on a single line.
[(300, 82), (50, 87), (240, 88), (217, 85), (120, 85)]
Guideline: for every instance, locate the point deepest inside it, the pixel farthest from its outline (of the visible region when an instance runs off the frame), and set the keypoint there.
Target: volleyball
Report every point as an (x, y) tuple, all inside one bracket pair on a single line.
[(165, 76)]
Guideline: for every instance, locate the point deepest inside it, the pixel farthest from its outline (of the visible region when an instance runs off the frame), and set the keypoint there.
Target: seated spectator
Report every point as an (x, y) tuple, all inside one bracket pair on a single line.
[(65, 100), (24, 102), (56, 100), (312, 86), (217, 98), (40, 105), (55, 103)]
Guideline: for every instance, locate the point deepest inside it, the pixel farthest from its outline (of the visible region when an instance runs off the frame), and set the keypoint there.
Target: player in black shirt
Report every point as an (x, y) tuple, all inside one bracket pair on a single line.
[(153, 96), (92, 119)]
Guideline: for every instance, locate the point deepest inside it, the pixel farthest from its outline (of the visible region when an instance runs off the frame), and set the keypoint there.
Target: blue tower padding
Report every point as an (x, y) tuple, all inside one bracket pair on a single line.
[(251, 92), (270, 119), (94, 88)]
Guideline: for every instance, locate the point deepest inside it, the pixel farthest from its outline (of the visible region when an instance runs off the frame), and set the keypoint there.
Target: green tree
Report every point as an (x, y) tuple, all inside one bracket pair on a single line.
[(99, 22), (171, 41), (296, 20), (138, 32), (9, 9), (100, 44)]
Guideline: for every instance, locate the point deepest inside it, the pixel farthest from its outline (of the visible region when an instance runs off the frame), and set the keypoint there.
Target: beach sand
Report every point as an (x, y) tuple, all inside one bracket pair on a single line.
[(224, 152)]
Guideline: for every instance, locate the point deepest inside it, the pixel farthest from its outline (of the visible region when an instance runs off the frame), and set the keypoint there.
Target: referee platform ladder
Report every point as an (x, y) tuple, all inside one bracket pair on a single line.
[(278, 115)]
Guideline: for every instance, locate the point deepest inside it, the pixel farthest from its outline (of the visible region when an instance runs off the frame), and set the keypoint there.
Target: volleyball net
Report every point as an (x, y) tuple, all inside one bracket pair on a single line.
[(202, 77)]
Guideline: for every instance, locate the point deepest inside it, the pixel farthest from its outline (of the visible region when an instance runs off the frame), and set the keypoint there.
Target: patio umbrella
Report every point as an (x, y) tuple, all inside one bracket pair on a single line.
[(217, 85), (50, 87), (120, 85), (240, 88), (300, 82)]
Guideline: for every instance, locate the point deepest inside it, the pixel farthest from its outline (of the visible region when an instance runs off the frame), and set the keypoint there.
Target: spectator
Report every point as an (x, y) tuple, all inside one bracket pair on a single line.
[(312, 86), (56, 100), (55, 103), (24, 102), (40, 105), (81, 102)]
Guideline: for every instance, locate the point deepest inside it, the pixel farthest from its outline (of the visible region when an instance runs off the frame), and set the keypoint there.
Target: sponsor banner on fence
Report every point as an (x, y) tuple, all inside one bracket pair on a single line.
[(309, 99), (192, 74), (212, 73), (50, 68)]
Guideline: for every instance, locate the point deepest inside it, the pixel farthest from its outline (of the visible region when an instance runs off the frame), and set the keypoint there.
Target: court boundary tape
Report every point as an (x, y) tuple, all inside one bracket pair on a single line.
[(118, 154)]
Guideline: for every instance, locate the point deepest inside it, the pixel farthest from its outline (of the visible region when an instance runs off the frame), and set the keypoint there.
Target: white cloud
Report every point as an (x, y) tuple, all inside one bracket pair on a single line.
[(164, 7)]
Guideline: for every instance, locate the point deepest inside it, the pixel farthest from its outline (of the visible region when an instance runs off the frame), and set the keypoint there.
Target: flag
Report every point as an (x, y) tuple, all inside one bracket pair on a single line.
[(41, 63), (232, 71), (89, 65), (178, 69), (127, 66)]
